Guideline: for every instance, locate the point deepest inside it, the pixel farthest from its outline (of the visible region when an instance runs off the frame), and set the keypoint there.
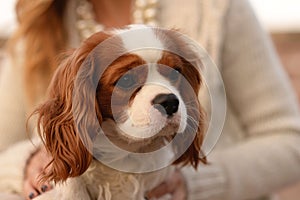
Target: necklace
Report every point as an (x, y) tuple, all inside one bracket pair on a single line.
[(144, 12)]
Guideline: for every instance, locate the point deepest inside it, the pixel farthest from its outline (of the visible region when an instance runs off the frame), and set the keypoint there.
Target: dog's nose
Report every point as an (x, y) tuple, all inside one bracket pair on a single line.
[(166, 103)]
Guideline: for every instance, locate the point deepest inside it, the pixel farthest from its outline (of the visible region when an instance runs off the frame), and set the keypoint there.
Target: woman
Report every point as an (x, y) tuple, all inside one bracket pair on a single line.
[(258, 151)]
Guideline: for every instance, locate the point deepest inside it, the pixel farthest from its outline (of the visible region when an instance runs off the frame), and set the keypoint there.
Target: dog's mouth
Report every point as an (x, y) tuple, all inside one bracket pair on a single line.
[(169, 130), (140, 144)]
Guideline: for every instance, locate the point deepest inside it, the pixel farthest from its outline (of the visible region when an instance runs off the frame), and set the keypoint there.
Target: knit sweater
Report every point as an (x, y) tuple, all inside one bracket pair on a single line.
[(258, 150)]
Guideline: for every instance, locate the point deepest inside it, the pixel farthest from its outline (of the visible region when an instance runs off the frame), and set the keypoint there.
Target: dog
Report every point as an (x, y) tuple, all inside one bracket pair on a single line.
[(114, 103)]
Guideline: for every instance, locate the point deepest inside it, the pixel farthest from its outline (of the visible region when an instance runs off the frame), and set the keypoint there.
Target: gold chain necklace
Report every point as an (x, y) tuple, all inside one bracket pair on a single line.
[(144, 12)]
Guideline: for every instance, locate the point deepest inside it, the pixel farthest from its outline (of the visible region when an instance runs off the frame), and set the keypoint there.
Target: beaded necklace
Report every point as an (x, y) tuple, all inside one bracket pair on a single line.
[(144, 12)]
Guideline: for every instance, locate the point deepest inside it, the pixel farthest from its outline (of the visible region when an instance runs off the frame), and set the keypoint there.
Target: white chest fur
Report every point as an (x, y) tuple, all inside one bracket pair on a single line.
[(102, 183)]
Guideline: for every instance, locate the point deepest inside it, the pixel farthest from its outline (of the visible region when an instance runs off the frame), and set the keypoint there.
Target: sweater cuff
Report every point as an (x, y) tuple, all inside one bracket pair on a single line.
[(13, 161), (208, 182)]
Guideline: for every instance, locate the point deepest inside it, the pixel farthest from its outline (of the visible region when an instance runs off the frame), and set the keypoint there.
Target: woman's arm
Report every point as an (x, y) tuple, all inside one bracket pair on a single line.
[(260, 94), (12, 106)]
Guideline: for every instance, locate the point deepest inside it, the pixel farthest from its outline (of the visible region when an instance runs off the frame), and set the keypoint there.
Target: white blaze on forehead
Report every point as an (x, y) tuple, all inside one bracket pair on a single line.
[(143, 41), (155, 77)]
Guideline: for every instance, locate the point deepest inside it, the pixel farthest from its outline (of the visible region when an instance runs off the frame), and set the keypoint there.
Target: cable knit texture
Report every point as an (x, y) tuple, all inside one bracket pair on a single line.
[(258, 151)]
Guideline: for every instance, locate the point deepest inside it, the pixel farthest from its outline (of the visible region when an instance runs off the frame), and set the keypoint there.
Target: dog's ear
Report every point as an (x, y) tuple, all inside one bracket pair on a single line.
[(191, 58), (196, 118), (67, 126)]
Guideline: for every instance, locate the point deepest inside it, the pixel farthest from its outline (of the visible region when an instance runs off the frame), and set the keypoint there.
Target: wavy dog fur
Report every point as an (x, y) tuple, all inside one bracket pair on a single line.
[(70, 150)]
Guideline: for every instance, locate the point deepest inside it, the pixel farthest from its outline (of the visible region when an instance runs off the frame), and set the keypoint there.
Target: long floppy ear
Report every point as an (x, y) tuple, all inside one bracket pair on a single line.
[(196, 116), (64, 126)]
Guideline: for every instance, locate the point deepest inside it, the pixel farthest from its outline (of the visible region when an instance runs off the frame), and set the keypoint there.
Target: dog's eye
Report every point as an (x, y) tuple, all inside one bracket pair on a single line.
[(174, 75), (126, 82)]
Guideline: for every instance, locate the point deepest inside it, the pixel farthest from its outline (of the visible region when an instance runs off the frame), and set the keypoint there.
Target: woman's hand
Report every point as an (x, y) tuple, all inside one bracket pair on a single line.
[(175, 185), (36, 163)]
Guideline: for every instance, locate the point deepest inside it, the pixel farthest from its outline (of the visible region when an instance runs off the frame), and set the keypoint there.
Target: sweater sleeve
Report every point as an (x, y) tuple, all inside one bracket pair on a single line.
[(12, 165), (259, 93), (12, 108)]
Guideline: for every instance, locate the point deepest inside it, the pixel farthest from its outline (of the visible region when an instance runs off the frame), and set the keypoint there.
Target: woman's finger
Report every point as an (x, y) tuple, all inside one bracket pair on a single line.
[(33, 175), (38, 185), (158, 191), (179, 194), (33, 186), (29, 191), (174, 185)]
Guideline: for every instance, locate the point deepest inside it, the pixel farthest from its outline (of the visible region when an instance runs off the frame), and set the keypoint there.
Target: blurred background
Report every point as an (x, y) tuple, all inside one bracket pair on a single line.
[(281, 18)]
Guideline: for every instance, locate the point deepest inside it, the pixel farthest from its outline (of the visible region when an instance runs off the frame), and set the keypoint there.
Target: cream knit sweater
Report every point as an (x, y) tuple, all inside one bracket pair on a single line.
[(258, 151)]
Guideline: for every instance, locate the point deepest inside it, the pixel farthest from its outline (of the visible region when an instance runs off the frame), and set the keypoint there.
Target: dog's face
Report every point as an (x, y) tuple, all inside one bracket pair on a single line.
[(142, 99)]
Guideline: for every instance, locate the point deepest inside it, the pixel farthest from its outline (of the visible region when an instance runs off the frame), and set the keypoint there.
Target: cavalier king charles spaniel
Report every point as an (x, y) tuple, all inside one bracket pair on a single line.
[(122, 113)]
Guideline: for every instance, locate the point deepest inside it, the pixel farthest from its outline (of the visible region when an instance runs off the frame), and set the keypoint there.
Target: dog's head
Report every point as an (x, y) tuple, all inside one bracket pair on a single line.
[(141, 99)]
